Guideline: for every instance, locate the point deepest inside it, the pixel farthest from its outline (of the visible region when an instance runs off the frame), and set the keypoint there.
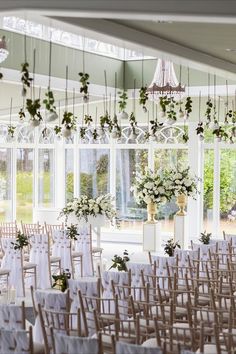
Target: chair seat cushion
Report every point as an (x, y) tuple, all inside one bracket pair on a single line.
[(28, 265), (54, 259)]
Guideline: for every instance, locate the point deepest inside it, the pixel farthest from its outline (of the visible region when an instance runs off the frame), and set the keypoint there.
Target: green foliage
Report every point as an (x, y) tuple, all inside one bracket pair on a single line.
[(84, 83), (33, 107), (170, 247), (105, 120), (188, 105), (164, 102), (72, 232), (21, 241), (49, 101), (200, 128), (57, 129), (11, 130), (25, 78), (171, 113), (61, 280), (120, 262), (123, 97), (70, 185), (132, 120), (69, 120), (88, 119), (143, 96), (21, 113), (205, 238)]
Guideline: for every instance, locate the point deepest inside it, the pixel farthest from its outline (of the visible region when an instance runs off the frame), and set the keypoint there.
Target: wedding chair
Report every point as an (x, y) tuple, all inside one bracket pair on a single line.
[(126, 348), (113, 330), (32, 229), (108, 308), (83, 246), (121, 278), (8, 229), (18, 342), (50, 300), (62, 249), (136, 269), (49, 228), (62, 344), (67, 323), (13, 261), (40, 254)]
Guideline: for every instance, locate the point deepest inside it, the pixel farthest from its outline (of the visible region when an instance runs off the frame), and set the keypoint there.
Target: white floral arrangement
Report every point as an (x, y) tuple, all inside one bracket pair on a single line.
[(181, 181), (150, 187), (83, 207)]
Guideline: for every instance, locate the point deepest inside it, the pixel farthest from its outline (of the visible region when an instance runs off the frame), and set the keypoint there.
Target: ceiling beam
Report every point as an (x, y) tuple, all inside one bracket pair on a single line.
[(177, 10), (158, 46)]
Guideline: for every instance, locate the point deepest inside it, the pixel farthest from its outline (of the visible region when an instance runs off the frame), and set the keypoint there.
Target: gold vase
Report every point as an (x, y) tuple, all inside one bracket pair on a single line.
[(151, 211), (181, 202)]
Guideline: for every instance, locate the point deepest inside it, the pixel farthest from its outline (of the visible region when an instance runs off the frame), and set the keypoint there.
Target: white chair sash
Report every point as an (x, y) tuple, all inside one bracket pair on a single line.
[(120, 278), (126, 348), (14, 342), (83, 244), (12, 260), (161, 269), (39, 254), (62, 248), (72, 345), (50, 300), (11, 317)]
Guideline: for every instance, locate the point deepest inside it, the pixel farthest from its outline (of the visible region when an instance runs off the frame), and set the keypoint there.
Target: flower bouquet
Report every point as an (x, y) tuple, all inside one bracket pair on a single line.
[(84, 208), (150, 187), (181, 181)]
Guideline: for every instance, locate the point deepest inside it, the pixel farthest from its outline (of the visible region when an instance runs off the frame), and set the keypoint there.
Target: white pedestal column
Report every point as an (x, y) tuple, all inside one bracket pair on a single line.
[(152, 239), (181, 230)]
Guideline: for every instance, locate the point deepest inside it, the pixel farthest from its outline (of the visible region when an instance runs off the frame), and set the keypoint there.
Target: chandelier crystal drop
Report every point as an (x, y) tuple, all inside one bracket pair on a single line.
[(3, 49), (165, 81)]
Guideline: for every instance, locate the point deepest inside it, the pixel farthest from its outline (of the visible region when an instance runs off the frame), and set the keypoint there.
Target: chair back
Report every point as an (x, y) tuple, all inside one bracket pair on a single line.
[(16, 342)]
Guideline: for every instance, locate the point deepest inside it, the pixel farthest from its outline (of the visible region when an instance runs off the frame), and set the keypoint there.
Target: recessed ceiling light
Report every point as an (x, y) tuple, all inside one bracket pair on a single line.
[(230, 50)]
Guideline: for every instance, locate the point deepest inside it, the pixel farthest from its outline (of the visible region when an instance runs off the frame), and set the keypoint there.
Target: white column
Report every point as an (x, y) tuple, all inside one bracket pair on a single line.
[(181, 230), (194, 206), (152, 238), (13, 182), (216, 191)]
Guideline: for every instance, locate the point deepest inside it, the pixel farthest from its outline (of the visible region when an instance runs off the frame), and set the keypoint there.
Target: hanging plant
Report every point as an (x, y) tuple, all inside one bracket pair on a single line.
[(155, 125), (25, 78), (69, 121), (57, 129), (116, 129), (84, 85), (21, 113), (185, 137), (49, 102), (171, 113), (164, 102), (11, 130), (220, 133), (200, 130), (82, 132), (95, 134), (143, 97), (188, 107), (122, 104), (88, 119), (208, 113), (33, 108), (105, 121)]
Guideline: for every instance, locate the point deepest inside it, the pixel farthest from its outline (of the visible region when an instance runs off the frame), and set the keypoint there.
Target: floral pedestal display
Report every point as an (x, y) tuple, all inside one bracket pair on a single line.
[(181, 201)]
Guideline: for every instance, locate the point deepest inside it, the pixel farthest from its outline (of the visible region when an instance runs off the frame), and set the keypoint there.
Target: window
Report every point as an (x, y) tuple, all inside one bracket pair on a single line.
[(228, 190), (94, 171), (46, 178), (172, 157), (24, 185), (128, 161), (69, 173), (5, 185)]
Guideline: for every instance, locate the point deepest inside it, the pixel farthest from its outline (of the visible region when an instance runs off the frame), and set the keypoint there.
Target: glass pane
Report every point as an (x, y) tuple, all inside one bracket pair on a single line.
[(208, 189), (46, 178), (128, 161), (94, 172), (168, 158), (69, 173), (5, 185), (228, 191), (24, 185)]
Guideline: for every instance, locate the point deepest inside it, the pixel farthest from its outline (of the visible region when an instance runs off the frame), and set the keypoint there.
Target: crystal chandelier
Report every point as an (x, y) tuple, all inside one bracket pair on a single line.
[(165, 81), (3, 49)]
